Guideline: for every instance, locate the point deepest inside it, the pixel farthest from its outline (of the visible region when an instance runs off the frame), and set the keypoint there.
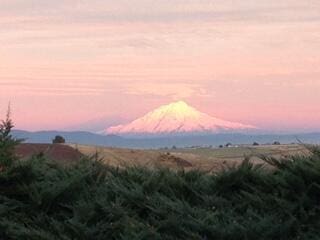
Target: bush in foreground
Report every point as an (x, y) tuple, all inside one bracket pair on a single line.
[(42, 200)]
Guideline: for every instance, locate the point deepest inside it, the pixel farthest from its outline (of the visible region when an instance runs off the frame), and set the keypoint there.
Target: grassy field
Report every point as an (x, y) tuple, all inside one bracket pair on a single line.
[(208, 159)]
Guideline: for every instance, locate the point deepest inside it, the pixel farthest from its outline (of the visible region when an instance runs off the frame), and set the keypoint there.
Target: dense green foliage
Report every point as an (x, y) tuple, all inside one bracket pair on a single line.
[(42, 200)]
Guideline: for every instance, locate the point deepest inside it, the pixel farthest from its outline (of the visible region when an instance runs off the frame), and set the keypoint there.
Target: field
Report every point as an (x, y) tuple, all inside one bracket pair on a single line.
[(208, 159)]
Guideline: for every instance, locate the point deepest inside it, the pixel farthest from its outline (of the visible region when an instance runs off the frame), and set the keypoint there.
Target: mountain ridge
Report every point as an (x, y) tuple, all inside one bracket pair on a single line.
[(89, 138)]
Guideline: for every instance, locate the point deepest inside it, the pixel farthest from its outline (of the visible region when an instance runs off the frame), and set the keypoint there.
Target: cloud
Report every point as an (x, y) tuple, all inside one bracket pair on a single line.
[(77, 11), (36, 88), (174, 91)]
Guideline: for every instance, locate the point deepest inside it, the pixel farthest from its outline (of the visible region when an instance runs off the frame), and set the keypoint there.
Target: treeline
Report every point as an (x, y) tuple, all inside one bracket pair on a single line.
[(89, 200)]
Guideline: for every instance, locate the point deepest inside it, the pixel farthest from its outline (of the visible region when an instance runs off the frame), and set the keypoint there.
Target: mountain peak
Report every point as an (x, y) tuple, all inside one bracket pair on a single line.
[(177, 109), (176, 118), (179, 104)]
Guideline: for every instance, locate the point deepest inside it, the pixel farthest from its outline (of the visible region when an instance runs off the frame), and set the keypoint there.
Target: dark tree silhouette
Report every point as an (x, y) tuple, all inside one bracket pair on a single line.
[(58, 139), (7, 142)]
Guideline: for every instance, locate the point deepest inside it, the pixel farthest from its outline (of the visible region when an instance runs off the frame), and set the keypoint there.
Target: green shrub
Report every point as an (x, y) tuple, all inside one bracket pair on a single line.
[(42, 200)]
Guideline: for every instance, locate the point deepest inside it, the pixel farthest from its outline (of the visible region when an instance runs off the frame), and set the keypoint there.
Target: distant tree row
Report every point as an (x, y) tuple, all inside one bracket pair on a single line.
[(253, 144)]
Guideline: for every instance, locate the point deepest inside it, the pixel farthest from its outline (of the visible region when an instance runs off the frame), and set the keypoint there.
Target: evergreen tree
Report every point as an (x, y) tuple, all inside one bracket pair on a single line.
[(7, 142)]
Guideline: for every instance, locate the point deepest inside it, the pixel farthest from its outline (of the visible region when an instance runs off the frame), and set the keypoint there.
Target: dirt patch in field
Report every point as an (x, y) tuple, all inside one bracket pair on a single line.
[(170, 159), (55, 152)]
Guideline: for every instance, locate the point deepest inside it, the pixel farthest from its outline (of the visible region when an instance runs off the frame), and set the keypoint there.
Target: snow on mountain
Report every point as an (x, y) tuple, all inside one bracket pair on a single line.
[(177, 118)]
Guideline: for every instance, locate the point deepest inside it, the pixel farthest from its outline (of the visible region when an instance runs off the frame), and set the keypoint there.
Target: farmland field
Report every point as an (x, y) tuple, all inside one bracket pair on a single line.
[(208, 159)]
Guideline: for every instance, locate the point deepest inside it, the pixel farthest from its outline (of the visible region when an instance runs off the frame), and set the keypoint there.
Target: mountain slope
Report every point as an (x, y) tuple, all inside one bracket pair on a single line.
[(177, 118)]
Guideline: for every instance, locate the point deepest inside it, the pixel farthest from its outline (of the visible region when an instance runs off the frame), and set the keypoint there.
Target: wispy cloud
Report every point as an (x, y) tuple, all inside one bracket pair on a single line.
[(38, 88), (76, 11), (174, 91)]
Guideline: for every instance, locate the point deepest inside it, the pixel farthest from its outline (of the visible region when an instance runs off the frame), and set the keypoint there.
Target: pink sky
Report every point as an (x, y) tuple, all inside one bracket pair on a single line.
[(88, 64)]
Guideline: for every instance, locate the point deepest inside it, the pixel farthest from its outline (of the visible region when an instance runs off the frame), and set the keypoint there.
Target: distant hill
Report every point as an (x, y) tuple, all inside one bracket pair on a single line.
[(160, 142)]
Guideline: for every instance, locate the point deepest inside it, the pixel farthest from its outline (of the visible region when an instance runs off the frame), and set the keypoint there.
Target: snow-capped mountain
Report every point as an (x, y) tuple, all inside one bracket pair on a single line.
[(177, 118)]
